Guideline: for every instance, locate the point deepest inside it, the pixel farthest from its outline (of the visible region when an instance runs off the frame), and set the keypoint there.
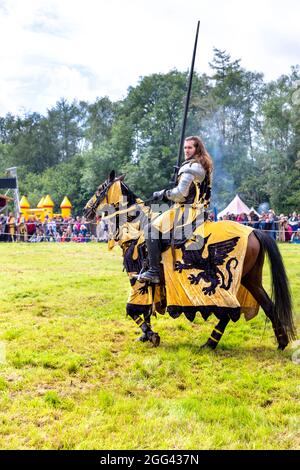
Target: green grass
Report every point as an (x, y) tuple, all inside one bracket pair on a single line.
[(75, 378)]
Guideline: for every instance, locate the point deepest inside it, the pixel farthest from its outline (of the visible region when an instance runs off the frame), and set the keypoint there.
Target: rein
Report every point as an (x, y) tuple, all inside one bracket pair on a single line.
[(124, 211), (119, 212)]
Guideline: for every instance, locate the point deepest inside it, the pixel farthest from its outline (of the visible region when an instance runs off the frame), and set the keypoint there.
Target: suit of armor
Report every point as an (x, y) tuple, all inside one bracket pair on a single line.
[(190, 172), (191, 197)]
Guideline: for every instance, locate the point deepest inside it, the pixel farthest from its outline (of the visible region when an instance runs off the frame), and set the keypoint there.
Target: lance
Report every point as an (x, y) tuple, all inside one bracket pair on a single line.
[(186, 107)]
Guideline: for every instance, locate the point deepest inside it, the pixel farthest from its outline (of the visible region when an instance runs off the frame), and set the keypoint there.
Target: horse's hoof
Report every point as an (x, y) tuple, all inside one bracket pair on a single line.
[(155, 339), (208, 346), (281, 347), (143, 338), (283, 342), (282, 339)]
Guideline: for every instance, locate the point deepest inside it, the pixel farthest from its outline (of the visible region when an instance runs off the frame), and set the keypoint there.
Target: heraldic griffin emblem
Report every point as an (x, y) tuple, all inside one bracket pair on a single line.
[(209, 271)]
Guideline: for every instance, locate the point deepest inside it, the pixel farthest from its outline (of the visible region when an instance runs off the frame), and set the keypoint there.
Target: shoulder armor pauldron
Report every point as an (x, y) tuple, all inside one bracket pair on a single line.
[(194, 168)]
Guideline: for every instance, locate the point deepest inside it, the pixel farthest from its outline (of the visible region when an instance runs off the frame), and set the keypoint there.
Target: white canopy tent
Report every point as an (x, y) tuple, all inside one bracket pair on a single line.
[(236, 206)]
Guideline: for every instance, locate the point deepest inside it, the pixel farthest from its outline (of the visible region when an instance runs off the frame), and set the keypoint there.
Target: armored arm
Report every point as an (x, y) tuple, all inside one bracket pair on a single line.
[(181, 191), (187, 174)]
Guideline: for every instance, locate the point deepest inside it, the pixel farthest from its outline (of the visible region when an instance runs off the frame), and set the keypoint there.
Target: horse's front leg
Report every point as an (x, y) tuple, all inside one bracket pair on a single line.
[(135, 312)]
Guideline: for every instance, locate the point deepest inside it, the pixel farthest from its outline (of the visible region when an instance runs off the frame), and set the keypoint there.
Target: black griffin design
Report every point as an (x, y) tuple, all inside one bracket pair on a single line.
[(209, 266), (144, 289)]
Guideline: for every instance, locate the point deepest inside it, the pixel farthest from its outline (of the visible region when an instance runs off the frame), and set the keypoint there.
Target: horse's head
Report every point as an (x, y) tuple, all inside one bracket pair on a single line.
[(112, 193)]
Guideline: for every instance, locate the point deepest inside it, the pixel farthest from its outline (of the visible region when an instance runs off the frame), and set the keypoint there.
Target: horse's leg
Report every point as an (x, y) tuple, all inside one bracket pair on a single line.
[(217, 333), (254, 286), (144, 324), (252, 280), (147, 332)]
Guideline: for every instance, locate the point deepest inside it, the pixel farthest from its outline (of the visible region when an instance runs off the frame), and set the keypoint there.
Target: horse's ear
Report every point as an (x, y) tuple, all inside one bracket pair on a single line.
[(112, 176), (122, 177)]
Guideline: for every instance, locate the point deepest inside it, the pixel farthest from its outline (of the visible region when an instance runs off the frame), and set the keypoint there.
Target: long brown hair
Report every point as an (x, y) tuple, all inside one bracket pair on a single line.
[(202, 154)]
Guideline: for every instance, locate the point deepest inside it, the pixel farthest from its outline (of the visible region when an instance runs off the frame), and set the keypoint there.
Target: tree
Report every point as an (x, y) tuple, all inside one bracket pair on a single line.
[(61, 180), (64, 122), (147, 130), (99, 121), (233, 124), (97, 164), (279, 141)]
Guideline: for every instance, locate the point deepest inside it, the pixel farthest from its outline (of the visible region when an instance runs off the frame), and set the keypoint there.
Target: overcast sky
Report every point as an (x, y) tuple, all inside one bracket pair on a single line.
[(83, 49)]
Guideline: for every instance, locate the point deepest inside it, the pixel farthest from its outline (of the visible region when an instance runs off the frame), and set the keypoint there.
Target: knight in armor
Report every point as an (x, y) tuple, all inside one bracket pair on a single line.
[(193, 191)]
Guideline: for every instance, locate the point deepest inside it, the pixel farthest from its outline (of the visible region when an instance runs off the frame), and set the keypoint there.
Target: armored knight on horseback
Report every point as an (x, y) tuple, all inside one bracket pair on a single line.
[(190, 197), (211, 268)]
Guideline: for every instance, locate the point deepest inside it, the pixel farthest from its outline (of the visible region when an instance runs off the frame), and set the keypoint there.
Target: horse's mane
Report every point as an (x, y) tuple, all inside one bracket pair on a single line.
[(131, 196), (132, 199)]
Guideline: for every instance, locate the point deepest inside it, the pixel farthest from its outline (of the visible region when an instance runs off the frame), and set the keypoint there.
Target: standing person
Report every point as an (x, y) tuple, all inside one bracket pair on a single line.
[(253, 219), (296, 237), (22, 229), (2, 227), (11, 222), (77, 225), (272, 224), (100, 230), (30, 227), (192, 192), (242, 218), (293, 221), (281, 228), (288, 230)]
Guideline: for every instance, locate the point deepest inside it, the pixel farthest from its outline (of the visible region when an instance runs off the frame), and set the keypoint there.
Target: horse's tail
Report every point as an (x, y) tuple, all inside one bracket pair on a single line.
[(281, 295)]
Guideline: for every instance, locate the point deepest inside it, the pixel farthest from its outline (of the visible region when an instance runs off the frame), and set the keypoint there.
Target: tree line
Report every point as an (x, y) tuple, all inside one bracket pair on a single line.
[(250, 127)]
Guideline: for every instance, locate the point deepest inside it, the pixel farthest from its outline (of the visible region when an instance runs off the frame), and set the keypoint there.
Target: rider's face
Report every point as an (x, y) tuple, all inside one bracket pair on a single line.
[(189, 149)]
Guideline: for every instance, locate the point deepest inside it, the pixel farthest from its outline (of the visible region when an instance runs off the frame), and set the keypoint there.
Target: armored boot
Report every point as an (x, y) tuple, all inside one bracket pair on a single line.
[(153, 273)]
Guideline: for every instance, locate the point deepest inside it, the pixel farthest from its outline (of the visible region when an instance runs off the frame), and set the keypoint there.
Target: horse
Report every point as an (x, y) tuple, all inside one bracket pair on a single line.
[(235, 290)]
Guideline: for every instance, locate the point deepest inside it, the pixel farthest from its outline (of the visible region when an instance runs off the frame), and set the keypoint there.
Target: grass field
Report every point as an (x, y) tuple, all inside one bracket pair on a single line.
[(73, 375)]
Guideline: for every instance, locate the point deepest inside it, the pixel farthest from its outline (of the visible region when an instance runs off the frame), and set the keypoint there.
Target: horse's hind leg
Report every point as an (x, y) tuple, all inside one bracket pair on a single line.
[(217, 333), (253, 282)]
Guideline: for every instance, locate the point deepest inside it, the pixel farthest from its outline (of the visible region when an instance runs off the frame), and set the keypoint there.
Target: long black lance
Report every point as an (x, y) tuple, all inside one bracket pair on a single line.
[(186, 107)]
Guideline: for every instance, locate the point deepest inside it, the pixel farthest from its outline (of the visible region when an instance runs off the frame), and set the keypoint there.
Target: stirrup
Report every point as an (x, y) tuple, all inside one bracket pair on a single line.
[(149, 277)]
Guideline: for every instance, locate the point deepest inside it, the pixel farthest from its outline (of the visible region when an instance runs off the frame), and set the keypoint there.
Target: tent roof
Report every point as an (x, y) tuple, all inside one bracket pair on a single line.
[(236, 206)]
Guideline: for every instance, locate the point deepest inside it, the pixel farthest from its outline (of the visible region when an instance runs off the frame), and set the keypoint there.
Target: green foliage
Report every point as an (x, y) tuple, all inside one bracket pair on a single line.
[(97, 164), (100, 118), (58, 181), (52, 399)]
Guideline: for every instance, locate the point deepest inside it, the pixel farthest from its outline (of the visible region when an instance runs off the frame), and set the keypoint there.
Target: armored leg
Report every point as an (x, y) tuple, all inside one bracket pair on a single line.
[(154, 257)]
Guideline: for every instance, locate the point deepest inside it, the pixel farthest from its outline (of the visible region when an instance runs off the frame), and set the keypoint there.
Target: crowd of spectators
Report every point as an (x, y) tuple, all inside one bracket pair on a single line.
[(56, 229), (283, 228)]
